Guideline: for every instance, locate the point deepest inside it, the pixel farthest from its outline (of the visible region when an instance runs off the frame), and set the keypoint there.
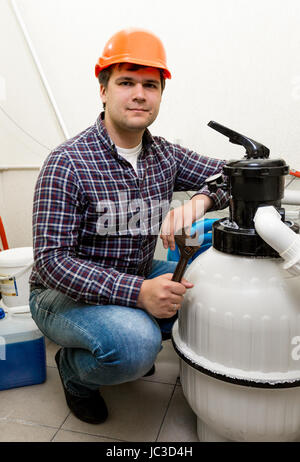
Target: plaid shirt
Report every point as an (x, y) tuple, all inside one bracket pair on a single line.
[(72, 252)]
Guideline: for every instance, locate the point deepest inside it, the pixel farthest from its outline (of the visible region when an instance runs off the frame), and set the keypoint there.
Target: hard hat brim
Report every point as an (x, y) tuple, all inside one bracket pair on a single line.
[(104, 63)]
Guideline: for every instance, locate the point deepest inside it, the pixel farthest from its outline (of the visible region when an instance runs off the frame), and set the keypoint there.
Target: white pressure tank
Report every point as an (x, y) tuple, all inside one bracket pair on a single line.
[(238, 331)]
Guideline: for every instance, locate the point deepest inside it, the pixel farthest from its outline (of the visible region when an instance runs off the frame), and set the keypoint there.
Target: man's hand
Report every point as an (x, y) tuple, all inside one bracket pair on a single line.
[(183, 217), (161, 296)]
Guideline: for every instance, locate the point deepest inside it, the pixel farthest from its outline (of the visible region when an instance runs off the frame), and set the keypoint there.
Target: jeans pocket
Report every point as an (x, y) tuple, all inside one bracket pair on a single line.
[(33, 300), (37, 302), (39, 308)]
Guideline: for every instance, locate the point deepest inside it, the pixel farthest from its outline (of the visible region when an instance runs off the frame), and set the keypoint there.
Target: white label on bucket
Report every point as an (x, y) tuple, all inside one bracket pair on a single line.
[(8, 286)]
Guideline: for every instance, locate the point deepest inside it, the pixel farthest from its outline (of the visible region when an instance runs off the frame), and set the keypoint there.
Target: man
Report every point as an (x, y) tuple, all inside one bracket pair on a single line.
[(95, 288)]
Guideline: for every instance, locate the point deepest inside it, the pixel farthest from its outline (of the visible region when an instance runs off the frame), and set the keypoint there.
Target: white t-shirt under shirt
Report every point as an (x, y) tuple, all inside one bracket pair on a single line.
[(131, 155)]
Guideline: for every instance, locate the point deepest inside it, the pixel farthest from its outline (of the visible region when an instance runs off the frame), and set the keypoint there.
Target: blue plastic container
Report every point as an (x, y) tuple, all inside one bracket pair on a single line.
[(22, 351), (203, 227)]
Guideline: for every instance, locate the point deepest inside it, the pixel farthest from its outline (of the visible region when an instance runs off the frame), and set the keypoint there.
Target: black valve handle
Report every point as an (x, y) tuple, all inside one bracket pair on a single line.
[(253, 148)]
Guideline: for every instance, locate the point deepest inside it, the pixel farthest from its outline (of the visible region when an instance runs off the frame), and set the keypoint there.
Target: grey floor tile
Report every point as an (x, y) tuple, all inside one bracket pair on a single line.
[(38, 404), (47, 341), (17, 431), (180, 423), (166, 365), (64, 436), (50, 353), (136, 410)]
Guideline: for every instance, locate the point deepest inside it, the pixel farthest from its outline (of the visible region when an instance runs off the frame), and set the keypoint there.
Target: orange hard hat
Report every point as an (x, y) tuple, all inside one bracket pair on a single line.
[(137, 46)]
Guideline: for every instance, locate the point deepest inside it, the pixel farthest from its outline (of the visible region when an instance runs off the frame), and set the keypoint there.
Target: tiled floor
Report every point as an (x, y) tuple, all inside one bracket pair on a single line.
[(147, 410)]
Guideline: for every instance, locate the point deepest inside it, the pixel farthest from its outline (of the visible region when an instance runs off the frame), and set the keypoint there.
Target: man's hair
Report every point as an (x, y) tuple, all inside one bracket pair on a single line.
[(105, 75)]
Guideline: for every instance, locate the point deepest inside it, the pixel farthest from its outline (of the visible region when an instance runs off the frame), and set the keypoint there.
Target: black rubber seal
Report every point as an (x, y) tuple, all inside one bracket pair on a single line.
[(224, 378), (243, 242)]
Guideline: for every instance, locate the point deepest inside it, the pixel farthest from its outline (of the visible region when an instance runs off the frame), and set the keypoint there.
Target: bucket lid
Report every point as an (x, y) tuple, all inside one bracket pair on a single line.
[(16, 257)]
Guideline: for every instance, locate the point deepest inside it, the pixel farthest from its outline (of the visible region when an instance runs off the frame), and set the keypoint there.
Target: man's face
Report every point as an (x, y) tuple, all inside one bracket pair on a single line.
[(132, 97)]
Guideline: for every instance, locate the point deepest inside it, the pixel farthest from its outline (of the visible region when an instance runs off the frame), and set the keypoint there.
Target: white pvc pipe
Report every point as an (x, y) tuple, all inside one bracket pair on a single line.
[(279, 236), (39, 68), (19, 167), (291, 197), (292, 215)]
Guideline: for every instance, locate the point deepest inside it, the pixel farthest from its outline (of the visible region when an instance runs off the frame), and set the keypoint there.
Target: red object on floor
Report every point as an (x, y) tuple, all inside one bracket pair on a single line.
[(3, 236)]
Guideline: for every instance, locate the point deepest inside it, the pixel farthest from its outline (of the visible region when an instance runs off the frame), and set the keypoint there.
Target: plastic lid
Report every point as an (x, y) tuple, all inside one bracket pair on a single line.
[(20, 256), (261, 167), (2, 313)]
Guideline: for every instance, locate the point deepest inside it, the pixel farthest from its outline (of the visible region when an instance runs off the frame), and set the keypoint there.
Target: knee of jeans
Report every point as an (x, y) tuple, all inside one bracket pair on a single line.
[(133, 350)]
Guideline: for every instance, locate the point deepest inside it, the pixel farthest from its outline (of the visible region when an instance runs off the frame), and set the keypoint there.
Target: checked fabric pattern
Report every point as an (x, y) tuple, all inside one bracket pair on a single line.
[(87, 240)]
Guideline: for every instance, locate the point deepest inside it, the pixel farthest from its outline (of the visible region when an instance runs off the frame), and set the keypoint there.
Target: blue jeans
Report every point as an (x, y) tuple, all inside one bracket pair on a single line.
[(102, 344)]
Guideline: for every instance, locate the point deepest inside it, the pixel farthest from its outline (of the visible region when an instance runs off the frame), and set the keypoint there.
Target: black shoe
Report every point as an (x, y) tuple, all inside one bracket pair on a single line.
[(166, 335), (91, 409), (150, 372)]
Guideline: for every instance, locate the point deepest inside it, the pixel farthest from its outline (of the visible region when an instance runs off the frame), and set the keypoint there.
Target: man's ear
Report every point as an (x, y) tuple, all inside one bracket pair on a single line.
[(103, 93)]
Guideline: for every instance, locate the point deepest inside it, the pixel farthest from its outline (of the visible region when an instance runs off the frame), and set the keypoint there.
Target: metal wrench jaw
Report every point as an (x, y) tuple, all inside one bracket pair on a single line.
[(186, 252)]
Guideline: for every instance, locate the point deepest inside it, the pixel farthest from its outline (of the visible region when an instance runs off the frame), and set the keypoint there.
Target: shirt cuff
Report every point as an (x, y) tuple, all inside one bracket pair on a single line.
[(220, 198), (126, 289)]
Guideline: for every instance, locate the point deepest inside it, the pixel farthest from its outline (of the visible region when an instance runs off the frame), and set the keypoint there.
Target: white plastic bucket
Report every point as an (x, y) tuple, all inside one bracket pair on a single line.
[(15, 269)]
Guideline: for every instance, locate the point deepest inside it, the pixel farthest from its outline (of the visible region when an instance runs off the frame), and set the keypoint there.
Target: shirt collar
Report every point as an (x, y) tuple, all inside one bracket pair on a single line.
[(148, 139)]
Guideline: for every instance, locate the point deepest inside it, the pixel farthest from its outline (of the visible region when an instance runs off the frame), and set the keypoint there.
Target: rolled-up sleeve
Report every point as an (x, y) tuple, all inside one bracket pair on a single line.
[(192, 171)]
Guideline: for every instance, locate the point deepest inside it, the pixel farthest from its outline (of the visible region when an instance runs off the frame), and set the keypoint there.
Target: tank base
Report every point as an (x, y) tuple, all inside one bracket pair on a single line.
[(206, 433)]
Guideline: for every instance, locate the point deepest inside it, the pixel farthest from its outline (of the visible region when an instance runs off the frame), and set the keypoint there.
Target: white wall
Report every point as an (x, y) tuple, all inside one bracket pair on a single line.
[(233, 61)]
